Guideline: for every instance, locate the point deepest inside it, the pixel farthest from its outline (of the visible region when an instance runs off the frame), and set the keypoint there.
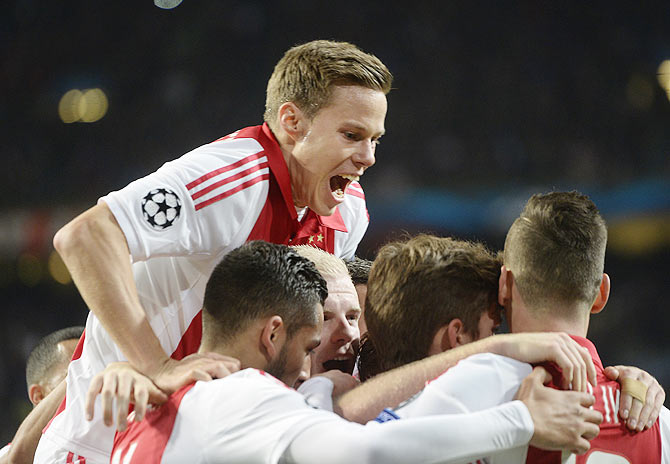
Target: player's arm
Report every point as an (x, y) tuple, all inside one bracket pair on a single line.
[(96, 253), (458, 437), (28, 435), (391, 388)]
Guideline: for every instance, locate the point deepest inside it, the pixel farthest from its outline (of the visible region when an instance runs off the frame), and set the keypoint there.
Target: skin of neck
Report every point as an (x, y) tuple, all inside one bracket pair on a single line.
[(290, 117), (246, 347), (572, 319)]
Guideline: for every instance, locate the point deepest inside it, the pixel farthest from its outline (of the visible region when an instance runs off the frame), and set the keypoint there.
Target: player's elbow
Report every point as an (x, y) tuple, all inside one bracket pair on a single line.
[(81, 231)]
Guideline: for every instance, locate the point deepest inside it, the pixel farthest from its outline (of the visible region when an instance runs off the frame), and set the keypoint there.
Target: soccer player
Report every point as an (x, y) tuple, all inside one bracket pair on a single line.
[(553, 279), (45, 370), (292, 180), (263, 306)]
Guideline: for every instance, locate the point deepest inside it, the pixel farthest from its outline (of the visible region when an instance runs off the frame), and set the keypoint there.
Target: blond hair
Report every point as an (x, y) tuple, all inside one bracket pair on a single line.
[(327, 264), (307, 73)]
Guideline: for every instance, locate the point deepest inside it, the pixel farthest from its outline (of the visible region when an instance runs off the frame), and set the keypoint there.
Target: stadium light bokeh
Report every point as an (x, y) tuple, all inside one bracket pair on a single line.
[(89, 105)]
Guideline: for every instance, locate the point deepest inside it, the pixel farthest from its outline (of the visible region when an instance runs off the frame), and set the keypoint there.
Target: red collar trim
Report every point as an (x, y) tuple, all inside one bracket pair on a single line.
[(278, 166), (586, 343)]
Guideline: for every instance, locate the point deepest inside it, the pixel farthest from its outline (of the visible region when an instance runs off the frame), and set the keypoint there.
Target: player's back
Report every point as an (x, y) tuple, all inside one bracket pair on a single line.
[(246, 417), (615, 444)]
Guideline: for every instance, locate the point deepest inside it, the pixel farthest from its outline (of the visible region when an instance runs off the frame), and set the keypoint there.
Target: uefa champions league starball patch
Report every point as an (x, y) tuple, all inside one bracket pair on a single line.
[(161, 208)]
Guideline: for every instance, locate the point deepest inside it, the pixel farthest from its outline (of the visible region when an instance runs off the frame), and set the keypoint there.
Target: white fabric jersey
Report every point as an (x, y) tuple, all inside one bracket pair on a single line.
[(478, 382), (4, 450), (212, 200), (250, 417), (485, 380)]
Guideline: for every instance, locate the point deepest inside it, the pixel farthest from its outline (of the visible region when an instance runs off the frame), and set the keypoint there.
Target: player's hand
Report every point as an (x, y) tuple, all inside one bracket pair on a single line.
[(574, 360), (122, 382), (342, 382), (562, 419), (171, 375), (638, 416)]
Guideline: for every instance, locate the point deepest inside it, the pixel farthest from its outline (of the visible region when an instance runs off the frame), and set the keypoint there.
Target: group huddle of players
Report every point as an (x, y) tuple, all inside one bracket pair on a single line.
[(237, 319)]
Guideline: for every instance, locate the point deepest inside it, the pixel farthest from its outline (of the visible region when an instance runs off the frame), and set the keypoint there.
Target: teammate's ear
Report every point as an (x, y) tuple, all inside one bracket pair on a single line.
[(440, 342), (272, 336), (505, 286), (292, 121), (35, 393), (457, 334), (602, 296)]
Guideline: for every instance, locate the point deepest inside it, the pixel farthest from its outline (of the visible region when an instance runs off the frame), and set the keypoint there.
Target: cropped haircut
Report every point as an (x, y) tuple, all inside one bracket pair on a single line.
[(556, 250), (259, 280), (359, 270), (45, 356), (418, 286), (326, 263), (307, 73)]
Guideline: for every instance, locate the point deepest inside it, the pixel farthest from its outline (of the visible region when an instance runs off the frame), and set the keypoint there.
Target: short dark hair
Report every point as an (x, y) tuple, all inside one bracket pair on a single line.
[(45, 355), (556, 249), (421, 284), (359, 270), (261, 279)]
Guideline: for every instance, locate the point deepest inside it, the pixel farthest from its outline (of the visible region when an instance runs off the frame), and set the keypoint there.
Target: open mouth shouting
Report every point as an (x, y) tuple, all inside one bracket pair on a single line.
[(339, 184), (344, 363)]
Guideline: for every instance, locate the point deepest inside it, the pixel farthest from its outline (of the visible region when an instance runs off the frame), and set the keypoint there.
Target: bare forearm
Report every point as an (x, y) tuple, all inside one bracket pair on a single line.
[(28, 435), (96, 253)]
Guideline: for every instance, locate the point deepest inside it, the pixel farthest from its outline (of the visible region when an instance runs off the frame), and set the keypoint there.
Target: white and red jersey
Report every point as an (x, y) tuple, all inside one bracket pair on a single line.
[(251, 417), (179, 222), (615, 443), (247, 417), (483, 380)]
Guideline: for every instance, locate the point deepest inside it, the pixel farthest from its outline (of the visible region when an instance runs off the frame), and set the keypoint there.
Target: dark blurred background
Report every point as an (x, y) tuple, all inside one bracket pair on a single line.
[(492, 101)]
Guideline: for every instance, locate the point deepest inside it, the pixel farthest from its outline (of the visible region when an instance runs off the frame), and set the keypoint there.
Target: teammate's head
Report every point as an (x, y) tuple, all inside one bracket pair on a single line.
[(48, 361), (272, 288), (555, 251), (429, 294), (326, 104), (359, 270), (340, 313), (307, 74)]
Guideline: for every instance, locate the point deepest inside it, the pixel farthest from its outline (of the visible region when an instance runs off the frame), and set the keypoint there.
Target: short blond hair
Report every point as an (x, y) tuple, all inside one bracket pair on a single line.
[(307, 73), (326, 263)]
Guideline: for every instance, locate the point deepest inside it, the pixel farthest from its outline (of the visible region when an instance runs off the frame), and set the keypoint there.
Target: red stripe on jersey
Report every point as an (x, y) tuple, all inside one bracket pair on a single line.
[(80, 347), (151, 435), (229, 167), (227, 180), (228, 193), (355, 193), (69, 458), (190, 341)]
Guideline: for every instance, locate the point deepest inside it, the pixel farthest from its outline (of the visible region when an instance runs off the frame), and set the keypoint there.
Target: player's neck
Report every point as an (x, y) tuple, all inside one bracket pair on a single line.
[(238, 349), (573, 321)]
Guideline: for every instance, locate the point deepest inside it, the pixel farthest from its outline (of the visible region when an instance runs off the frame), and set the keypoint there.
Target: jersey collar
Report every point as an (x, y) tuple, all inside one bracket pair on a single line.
[(586, 343), (278, 167), (280, 171)]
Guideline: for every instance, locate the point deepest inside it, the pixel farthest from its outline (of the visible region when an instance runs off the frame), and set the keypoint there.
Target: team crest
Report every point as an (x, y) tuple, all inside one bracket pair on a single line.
[(161, 208)]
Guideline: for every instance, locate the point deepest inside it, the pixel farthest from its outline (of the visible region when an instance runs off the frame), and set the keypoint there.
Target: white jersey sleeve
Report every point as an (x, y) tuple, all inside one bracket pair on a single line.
[(318, 392), (205, 202), (355, 216), (664, 423), (436, 439), (475, 383)]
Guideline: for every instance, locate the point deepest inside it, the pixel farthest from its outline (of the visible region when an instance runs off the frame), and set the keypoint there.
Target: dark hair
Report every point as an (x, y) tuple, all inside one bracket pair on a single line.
[(45, 355), (359, 270), (556, 249), (261, 279), (418, 286)]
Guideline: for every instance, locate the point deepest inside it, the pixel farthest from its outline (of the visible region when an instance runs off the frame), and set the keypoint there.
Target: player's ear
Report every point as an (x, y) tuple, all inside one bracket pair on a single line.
[(457, 334), (440, 341), (505, 286), (602, 296), (292, 121), (272, 337), (35, 393)]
